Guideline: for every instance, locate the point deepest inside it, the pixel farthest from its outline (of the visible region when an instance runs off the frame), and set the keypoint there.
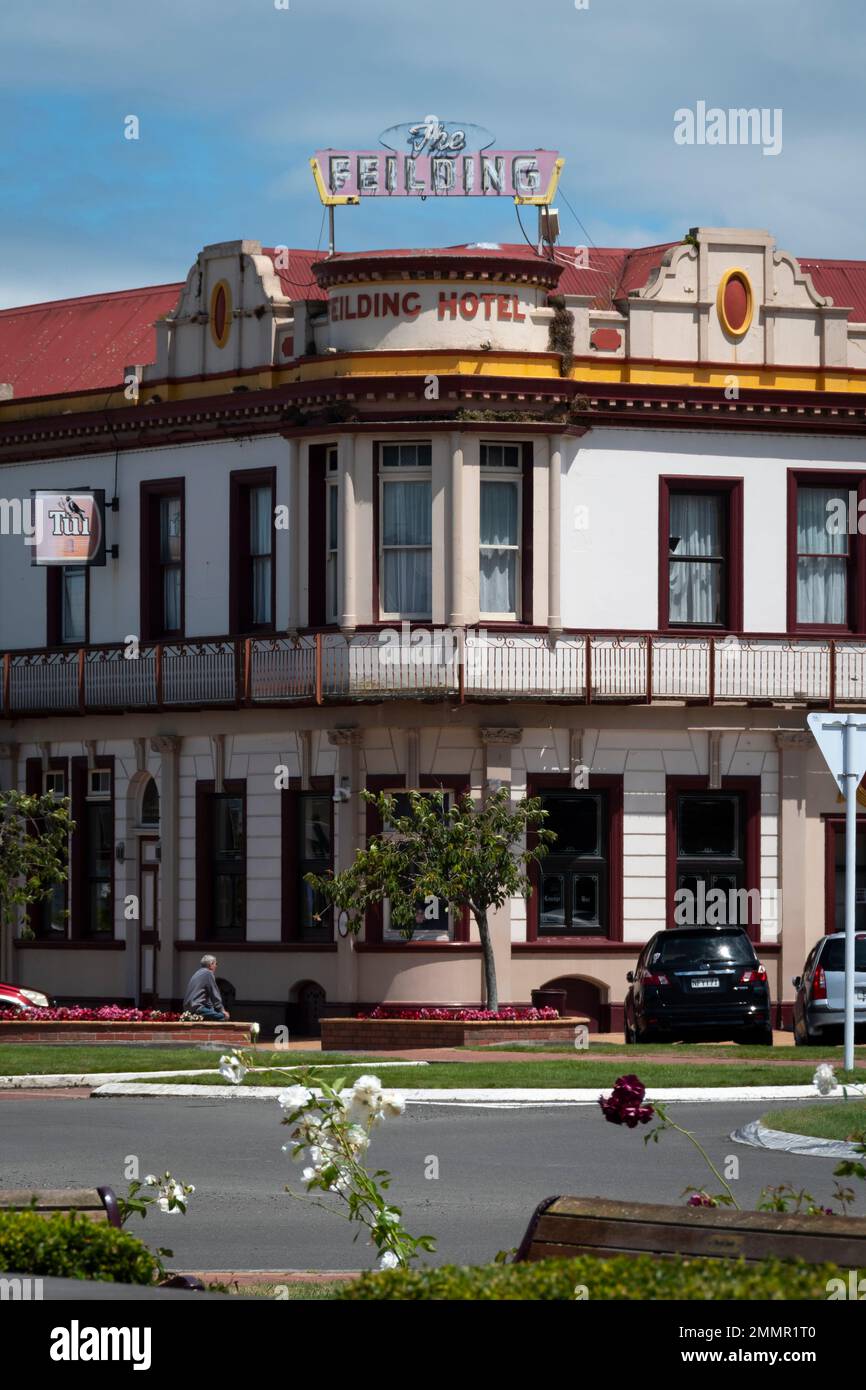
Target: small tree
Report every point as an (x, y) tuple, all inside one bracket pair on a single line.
[(470, 856), (34, 841)]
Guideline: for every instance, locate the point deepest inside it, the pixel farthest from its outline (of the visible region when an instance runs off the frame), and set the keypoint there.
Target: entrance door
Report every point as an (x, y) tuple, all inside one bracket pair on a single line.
[(148, 923)]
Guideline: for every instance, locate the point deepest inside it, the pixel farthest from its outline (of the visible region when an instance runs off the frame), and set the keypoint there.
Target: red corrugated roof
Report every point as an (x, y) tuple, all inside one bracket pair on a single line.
[(71, 345), (83, 344)]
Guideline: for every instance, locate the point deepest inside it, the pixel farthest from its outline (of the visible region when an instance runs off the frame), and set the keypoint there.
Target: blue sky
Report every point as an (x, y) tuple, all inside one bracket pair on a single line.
[(234, 95)]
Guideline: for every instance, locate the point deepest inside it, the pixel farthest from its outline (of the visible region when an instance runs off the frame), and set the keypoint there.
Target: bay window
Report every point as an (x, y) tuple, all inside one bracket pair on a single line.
[(406, 531), (252, 586)]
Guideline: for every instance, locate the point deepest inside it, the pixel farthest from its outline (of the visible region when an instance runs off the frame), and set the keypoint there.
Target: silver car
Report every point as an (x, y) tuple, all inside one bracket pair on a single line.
[(819, 1006)]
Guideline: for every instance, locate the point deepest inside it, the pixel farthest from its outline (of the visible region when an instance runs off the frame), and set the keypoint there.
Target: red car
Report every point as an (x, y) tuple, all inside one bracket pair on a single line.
[(15, 997)]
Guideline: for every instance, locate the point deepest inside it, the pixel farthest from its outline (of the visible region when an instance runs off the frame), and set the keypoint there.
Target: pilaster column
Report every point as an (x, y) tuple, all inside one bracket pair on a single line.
[(168, 969), (456, 616), (554, 524), (498, 742), (8, 928), (348, 615), (347, 823), (796, 924)]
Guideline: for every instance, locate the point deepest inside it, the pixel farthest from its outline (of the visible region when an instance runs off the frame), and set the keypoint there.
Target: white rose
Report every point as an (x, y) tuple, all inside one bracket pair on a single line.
[(366, 1089), (825, 1080), (151, 1181), (255, 1029), (393, 1103), (294, 1098), (233, 1069), (388, 1260)]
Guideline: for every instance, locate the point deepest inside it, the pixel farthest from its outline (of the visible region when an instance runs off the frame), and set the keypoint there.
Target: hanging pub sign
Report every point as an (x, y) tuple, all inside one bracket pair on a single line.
[(69, 527), (436, 159)]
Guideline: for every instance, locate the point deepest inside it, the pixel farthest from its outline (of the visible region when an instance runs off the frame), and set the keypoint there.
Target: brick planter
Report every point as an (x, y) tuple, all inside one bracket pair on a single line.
[(404, 1034), (97, 1031)]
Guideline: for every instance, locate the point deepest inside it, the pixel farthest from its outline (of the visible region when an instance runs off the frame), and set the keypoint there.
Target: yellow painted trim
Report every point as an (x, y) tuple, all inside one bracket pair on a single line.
[(540, 199), (331, 200), (594, 374), (221, 339), (735, 273)]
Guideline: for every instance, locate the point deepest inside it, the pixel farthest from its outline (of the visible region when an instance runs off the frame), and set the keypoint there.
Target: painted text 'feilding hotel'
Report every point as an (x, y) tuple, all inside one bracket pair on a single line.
[(395, 520)]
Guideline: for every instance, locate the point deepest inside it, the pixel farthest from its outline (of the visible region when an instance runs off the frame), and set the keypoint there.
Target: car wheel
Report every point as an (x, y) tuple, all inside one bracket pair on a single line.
[(630, 1036)]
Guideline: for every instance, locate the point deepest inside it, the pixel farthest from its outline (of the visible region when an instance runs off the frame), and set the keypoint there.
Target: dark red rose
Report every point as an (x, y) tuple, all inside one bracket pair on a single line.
[(624, 1104)]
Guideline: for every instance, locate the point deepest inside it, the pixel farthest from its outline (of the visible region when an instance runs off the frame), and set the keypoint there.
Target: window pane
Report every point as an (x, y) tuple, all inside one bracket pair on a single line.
[(695, 591), (316, 829), (707, 825), (333, 517), (228, 822), (813, 536), (822, 590), (407, 514), (498, 581), (261, 596), (407, 455), (99, 840), (74, 601), (585, 897), (575, 819), (552, 913), (695, 524), (260, 521), (859, 887), (100, 909), (169, 530), (171, 599), (408, 583), (499, 514)]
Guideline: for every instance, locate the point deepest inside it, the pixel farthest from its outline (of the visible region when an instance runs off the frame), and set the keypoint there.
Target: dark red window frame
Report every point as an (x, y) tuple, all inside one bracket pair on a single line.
[(54, 606), (613, 785), (241, 482), (317, 547), (834, 825), (204, 792), (846, 481), (289, 828), (732, 490), (750, 787), (152, 612)]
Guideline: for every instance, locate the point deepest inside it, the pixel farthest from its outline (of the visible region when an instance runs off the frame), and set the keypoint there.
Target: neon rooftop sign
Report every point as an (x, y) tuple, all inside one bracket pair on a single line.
[(436, 159)]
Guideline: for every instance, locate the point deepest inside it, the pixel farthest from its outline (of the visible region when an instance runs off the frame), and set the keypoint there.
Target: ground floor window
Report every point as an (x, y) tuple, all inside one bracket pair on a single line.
[(433, 920), (713, 853), (99, 862), (575, 880), (314, 856), (221, 862)]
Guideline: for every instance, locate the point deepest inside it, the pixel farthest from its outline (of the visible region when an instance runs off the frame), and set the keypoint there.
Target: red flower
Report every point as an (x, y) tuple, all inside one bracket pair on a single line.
[(624, 1105), (458, 1015), (701, 1199)]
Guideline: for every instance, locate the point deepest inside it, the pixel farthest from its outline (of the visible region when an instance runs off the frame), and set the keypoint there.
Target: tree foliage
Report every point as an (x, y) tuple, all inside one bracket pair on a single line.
[(469, 855), (34, 840)]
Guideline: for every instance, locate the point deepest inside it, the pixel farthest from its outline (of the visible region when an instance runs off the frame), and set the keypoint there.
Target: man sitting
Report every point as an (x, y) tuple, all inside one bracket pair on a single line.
[(202, 995)]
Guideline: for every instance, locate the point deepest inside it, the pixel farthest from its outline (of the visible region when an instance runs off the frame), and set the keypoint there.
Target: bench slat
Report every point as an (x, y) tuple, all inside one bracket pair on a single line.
[(564, 1226)]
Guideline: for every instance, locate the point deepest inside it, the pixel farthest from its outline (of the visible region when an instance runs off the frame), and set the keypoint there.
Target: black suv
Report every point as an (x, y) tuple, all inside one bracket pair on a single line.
[(698, 981)]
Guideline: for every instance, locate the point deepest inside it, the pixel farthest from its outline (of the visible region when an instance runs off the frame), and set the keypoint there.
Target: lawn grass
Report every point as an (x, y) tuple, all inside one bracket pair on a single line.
[(547, 1074), (838, 1119), (736, 1051), (26, 1059)]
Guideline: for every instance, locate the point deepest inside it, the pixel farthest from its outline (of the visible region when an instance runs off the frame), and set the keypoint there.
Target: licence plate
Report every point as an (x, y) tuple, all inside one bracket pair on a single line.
[(705, 984)]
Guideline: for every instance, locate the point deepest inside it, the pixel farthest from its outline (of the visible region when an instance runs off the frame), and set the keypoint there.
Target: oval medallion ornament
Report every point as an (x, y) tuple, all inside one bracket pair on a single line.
[(735, 303), (220, 313)]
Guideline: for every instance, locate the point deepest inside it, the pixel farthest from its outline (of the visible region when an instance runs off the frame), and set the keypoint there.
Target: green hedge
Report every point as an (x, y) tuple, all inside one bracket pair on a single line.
[(70, 1246), (623, 1277)]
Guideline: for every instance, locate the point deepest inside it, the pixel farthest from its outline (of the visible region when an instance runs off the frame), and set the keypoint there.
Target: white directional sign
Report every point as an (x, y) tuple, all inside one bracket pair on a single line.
[(842, 741), (829, 732)]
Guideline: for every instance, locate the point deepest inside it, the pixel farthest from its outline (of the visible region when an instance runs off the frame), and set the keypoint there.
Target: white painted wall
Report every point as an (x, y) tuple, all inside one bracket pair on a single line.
[(610, 565)]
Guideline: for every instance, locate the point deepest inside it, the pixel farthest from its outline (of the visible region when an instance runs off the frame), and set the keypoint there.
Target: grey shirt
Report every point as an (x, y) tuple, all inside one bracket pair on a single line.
[(202, 992)]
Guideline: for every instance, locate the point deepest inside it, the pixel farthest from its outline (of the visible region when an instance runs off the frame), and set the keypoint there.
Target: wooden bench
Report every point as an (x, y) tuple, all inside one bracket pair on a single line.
[(96, 1203), (561, 1227)]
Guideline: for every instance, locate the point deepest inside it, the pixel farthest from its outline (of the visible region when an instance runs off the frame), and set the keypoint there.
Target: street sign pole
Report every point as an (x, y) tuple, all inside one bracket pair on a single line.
[(842, 741), (852, 781)]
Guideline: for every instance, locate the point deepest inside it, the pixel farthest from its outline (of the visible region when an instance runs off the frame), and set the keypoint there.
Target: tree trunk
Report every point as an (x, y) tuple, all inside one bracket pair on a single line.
[(491, 992)]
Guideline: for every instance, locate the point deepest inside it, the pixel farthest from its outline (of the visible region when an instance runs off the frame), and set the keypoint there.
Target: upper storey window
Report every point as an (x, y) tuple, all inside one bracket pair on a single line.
[(701, 559), (823, 559), (252, 573), (500, 507), (406, 530), (162, 559), (332, 535)]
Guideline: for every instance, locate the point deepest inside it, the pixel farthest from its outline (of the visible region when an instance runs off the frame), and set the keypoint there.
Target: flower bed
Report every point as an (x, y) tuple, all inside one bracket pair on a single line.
[(405, 1029), (77, 1013), (33, 1027)]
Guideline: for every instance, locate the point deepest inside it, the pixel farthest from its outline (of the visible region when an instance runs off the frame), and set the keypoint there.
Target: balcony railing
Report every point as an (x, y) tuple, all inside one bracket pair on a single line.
[(326, 668)]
